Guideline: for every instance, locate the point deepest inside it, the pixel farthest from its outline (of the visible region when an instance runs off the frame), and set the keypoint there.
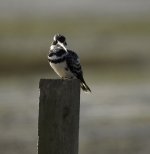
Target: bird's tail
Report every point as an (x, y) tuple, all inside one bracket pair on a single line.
[(85, 87)]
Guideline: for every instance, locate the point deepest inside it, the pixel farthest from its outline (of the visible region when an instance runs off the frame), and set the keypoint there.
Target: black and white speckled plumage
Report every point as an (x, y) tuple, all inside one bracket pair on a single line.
[(65, 62)]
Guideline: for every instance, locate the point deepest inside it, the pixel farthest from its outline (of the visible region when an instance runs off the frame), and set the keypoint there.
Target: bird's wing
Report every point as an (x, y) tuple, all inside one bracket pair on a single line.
[(73, 63)]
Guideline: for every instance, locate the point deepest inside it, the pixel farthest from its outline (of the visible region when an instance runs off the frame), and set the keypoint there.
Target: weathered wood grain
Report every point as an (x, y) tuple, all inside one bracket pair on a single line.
[(58, 126)]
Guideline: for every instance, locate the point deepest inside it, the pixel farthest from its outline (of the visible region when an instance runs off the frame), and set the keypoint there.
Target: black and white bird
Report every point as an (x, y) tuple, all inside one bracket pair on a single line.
[(65, 62)]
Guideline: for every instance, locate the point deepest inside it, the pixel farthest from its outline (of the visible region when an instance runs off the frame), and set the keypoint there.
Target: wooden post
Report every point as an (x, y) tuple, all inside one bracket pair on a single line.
[(58, 126)]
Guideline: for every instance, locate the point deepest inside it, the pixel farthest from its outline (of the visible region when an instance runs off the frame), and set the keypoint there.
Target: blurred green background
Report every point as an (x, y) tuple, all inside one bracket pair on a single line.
[(111, 37)]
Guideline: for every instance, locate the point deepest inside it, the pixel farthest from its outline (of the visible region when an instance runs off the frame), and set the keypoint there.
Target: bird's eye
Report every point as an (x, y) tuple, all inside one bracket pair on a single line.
[(61, 39)]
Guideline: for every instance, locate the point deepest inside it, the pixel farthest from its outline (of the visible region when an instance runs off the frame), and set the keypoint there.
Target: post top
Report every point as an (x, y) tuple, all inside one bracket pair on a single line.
[(60, 84)]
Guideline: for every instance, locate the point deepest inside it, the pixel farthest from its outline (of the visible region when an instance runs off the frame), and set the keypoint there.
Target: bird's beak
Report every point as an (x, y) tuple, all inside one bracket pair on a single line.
[(62, 45)]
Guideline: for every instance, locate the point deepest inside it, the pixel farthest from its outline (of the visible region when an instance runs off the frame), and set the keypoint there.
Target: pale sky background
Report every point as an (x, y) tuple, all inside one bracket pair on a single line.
[(13, 8)]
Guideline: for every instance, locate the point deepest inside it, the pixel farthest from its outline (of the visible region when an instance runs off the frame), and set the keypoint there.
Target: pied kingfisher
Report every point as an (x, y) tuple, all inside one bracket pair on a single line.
[(65, 62)]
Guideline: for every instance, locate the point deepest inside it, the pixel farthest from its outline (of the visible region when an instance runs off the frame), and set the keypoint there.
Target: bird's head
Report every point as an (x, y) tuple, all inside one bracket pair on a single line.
[(60, 40)]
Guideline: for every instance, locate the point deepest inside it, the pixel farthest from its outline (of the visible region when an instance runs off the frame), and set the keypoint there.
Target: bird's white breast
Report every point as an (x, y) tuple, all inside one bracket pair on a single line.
[(62, 70)]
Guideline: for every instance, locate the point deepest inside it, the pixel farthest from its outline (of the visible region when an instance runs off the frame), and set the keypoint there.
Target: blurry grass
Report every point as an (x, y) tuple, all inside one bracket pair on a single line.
[(117, 75), (130, 145), (24, 45), (37, 27), (24, 42)]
